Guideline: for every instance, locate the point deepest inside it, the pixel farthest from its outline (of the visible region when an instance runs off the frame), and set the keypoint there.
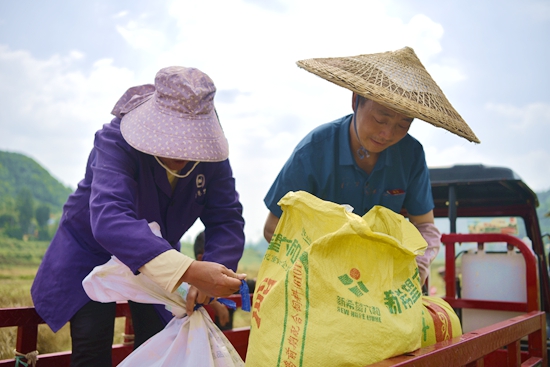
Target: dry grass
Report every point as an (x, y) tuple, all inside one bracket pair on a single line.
[(15, 292)]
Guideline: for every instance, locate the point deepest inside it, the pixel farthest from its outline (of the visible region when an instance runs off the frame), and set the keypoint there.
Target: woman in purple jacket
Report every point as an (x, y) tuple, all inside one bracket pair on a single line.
[(162, 159)]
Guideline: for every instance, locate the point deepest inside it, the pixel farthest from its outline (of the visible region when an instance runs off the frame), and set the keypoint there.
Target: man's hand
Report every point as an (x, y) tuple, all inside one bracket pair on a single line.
[(425, 225), (208, 279), (270, 226), (221, 312)]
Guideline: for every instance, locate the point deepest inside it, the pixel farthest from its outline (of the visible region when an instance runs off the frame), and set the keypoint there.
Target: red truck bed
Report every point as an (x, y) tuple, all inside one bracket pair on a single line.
[(497, 345)]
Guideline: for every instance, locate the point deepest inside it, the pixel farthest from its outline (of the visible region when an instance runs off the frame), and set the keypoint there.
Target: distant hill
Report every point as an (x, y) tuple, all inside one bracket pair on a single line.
[(18, 171)]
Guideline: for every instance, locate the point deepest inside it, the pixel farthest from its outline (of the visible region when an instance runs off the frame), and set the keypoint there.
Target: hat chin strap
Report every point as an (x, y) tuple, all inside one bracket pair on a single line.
[(174, 173), (362, 152)]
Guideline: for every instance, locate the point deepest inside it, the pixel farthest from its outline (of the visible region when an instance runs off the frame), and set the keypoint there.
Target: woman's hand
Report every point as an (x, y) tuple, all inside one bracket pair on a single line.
[(208, 279)]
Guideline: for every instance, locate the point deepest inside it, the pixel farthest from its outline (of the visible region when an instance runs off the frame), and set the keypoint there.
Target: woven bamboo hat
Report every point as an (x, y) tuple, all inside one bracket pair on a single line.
[(397, 80)]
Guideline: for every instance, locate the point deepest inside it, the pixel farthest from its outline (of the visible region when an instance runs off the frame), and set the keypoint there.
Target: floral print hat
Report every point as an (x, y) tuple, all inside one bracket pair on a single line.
[(175, 118)]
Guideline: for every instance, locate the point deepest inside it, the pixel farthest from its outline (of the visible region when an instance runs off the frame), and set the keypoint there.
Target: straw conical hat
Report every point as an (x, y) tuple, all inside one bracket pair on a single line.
[(396, 79)]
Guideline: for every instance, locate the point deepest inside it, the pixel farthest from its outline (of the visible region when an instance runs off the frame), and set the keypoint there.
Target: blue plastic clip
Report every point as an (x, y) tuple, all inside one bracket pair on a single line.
[(245, 295)]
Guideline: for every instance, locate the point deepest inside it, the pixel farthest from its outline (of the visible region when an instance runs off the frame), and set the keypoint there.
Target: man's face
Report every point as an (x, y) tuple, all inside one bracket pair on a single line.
[(379, 127)]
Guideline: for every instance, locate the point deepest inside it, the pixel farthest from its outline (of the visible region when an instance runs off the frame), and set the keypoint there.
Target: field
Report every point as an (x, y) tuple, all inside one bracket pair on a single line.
[(15, 292)]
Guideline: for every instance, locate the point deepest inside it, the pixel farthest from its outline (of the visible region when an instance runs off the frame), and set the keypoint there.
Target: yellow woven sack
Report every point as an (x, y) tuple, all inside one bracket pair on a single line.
[(439, 321), (336, 289)]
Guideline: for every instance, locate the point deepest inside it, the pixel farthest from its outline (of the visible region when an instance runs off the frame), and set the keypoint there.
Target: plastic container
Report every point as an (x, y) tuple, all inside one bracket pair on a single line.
[(491, 277)]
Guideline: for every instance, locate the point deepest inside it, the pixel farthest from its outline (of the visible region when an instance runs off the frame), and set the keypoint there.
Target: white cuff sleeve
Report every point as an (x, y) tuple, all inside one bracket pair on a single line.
[(167, 269)]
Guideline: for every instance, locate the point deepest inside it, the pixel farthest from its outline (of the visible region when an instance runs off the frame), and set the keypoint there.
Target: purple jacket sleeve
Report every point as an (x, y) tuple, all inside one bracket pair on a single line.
[(222, 218), (113, 199)]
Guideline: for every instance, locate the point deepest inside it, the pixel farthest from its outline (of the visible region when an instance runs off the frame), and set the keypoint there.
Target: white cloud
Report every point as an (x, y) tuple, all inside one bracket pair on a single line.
[(425, 34), (76, 55), (524, 119), (142, 37), (445, 74), (57, 108), (120, 14)]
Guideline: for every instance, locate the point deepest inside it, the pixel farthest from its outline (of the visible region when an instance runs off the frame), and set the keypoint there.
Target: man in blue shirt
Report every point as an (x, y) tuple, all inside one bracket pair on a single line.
[(368, 158)]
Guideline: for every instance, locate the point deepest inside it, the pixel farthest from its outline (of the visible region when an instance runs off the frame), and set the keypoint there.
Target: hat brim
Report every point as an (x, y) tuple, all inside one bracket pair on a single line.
[(365, 75), (196, 138)]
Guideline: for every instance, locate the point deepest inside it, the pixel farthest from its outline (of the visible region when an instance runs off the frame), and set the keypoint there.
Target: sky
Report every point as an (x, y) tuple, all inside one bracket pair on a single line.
[(64, 64)]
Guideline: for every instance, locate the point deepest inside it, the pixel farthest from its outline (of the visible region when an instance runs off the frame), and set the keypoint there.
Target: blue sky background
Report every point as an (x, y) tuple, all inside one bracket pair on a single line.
[(64, 64)]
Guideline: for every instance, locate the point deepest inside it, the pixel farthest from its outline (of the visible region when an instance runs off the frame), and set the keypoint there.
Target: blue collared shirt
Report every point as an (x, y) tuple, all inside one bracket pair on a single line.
[(323, 165)]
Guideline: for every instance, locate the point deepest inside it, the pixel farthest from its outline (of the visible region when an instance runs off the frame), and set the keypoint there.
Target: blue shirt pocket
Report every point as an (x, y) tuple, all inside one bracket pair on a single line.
[(393, 199)]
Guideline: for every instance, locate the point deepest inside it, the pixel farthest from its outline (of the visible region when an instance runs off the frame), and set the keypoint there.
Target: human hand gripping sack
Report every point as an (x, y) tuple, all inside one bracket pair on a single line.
[(431, 234), (221, 312), (207, 280), (186, 341)]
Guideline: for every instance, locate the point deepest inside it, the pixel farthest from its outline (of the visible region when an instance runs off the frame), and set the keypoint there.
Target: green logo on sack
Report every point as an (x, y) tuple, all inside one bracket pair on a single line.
[(357, 287), (276, 241), (403, 298), (292, 247), (353, 307)]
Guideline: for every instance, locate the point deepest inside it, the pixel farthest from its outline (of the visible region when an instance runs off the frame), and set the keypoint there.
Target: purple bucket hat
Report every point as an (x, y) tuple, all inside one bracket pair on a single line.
[(175, 118)]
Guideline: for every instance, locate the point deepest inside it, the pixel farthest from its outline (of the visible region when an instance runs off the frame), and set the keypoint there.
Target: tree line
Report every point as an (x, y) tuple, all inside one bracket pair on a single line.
[(30, 198), (28, 220)]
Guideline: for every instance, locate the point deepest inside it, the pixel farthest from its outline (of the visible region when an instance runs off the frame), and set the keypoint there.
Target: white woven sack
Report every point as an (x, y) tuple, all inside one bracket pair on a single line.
[(188, 341)]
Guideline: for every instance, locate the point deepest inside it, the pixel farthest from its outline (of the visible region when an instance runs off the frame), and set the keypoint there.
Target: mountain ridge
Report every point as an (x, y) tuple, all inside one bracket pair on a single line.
[(18, 171)]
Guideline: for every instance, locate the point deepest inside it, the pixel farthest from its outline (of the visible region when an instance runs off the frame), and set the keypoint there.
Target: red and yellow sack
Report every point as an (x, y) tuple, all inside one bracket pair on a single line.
[(439, 321)]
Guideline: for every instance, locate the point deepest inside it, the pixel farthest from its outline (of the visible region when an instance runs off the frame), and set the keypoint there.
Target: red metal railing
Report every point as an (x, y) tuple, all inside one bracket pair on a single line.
[(27, 320), (531, 279), (496, 345), (483, 347)]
